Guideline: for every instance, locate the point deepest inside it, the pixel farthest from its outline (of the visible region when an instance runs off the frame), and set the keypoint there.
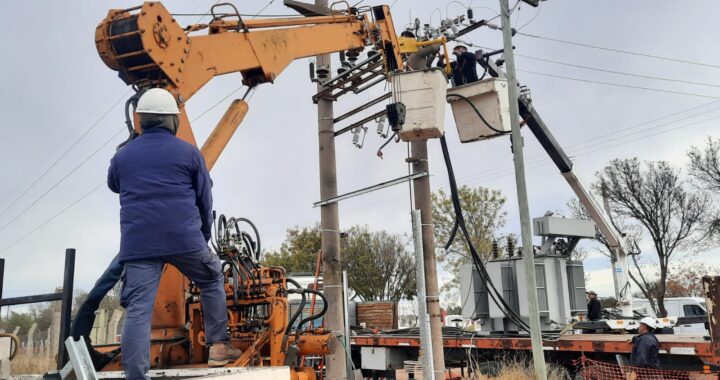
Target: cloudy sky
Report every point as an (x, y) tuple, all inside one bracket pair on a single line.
[(61, 119)]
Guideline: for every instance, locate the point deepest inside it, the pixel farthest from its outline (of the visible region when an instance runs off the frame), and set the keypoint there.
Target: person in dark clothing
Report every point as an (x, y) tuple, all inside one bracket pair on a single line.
[(165, 218), (464, 68), (645, 352), (593, 307), (85, 316)]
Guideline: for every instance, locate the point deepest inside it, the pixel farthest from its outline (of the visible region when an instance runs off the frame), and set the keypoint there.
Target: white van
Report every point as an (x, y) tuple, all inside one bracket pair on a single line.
[(678, 307)]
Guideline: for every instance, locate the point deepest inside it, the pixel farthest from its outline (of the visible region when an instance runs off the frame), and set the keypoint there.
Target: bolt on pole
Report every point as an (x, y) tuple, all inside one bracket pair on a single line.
[(526, 233)]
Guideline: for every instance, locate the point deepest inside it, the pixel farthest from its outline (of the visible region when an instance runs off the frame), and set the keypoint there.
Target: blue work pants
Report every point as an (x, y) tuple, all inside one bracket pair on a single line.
[(140, 285)]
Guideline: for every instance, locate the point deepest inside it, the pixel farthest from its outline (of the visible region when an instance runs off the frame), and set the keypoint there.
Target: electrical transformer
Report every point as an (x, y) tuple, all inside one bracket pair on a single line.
[(560, 280)]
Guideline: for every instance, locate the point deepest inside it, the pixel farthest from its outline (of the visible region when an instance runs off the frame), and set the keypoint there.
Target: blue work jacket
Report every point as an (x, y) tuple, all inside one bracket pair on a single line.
[(645, 351), (165, 196)]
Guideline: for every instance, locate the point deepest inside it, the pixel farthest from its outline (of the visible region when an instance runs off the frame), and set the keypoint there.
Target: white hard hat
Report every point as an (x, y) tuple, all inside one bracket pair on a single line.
[(650, 322), (157, 101)]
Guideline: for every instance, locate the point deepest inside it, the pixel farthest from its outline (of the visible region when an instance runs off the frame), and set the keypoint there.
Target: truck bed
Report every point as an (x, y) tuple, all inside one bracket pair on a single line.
[(692, 345)]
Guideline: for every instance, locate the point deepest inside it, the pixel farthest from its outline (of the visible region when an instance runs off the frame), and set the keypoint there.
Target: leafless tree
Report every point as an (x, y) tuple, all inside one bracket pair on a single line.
[(632, 234), (705, 169), (654, 196)]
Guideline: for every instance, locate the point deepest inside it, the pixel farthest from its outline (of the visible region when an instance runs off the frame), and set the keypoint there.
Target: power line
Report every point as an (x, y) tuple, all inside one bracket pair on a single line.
[(620, 85), (596, 142), (86, 194), (543, 156), (263, 8), (68, 136), (21, 213), (619, 50), (539, 9), (53, 217), (65, 153), (492, 175), (215, 105), (617, 72)]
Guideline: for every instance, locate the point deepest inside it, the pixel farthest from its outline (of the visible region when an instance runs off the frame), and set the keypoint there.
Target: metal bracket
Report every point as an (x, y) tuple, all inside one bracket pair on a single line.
[(80, 366), (369, 189)]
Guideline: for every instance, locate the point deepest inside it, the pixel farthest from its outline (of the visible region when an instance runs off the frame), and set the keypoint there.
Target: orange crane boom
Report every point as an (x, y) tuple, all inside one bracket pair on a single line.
[(150, 49)]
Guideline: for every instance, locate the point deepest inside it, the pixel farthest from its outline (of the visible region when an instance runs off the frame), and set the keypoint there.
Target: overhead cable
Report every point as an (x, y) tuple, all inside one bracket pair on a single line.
[(615, 50)]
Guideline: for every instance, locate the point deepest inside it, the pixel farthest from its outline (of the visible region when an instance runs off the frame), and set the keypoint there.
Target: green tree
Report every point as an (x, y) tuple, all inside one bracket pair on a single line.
[(110, 302), (484, 215), (22, 320), (378, 264), (42, 314), (298, 253), (379, 267)]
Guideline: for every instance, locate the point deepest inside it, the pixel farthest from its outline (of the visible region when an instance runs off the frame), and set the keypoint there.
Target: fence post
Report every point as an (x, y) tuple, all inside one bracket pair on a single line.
[(54, 332), (113, 325), (65, 313), (30, 345)]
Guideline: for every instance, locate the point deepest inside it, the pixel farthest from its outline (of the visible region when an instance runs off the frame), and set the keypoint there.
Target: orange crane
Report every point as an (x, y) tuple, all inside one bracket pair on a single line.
[(150, 49)]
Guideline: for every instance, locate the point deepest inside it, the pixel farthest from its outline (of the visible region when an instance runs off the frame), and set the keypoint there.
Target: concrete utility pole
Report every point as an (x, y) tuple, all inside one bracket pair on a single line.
[(423, 318), (330, 226), (525, 228), (423, 202)]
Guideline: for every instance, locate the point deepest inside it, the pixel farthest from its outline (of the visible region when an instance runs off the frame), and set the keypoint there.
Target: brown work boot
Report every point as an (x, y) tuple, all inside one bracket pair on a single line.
[(222, 353)]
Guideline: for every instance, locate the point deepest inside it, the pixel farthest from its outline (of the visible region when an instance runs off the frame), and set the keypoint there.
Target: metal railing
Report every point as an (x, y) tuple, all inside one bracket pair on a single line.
[(65, 297)]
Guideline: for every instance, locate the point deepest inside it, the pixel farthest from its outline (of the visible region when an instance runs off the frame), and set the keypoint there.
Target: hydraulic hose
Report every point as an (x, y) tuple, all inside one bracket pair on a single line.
[(257, 235), (316, 316), (132, 101), (297, 313), (493, 293)]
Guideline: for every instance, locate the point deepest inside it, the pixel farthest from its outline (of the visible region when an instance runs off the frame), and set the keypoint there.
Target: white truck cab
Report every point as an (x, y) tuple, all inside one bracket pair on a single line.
[(678, 307)]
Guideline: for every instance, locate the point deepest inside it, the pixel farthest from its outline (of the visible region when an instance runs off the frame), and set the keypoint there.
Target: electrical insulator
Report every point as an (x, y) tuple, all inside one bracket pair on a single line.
[(519, 252), (381, 127), (312, 71), (323, 71), (510, 246), (352, 55), (359, 136), (495, 249), (470, 14)]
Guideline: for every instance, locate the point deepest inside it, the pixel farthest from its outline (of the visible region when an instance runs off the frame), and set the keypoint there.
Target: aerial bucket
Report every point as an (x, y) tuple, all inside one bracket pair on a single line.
[(488, 98), (423, 94)]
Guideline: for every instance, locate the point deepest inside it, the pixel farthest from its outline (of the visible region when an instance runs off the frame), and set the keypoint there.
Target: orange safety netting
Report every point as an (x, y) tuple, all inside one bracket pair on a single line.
[(597, 370)]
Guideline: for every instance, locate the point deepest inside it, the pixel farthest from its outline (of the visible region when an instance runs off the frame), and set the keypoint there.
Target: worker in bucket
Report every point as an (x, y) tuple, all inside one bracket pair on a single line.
[(165, 218), (464, 68), (423, 58), (645, 352)]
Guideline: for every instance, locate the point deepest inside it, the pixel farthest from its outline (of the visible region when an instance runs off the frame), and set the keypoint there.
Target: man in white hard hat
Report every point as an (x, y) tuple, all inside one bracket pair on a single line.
[(464, 68), (645, 352), (165, 218)]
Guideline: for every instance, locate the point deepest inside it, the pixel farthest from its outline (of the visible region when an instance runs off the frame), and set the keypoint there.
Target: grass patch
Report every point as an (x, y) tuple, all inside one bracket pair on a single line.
[(515, 370), (28, 364)]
